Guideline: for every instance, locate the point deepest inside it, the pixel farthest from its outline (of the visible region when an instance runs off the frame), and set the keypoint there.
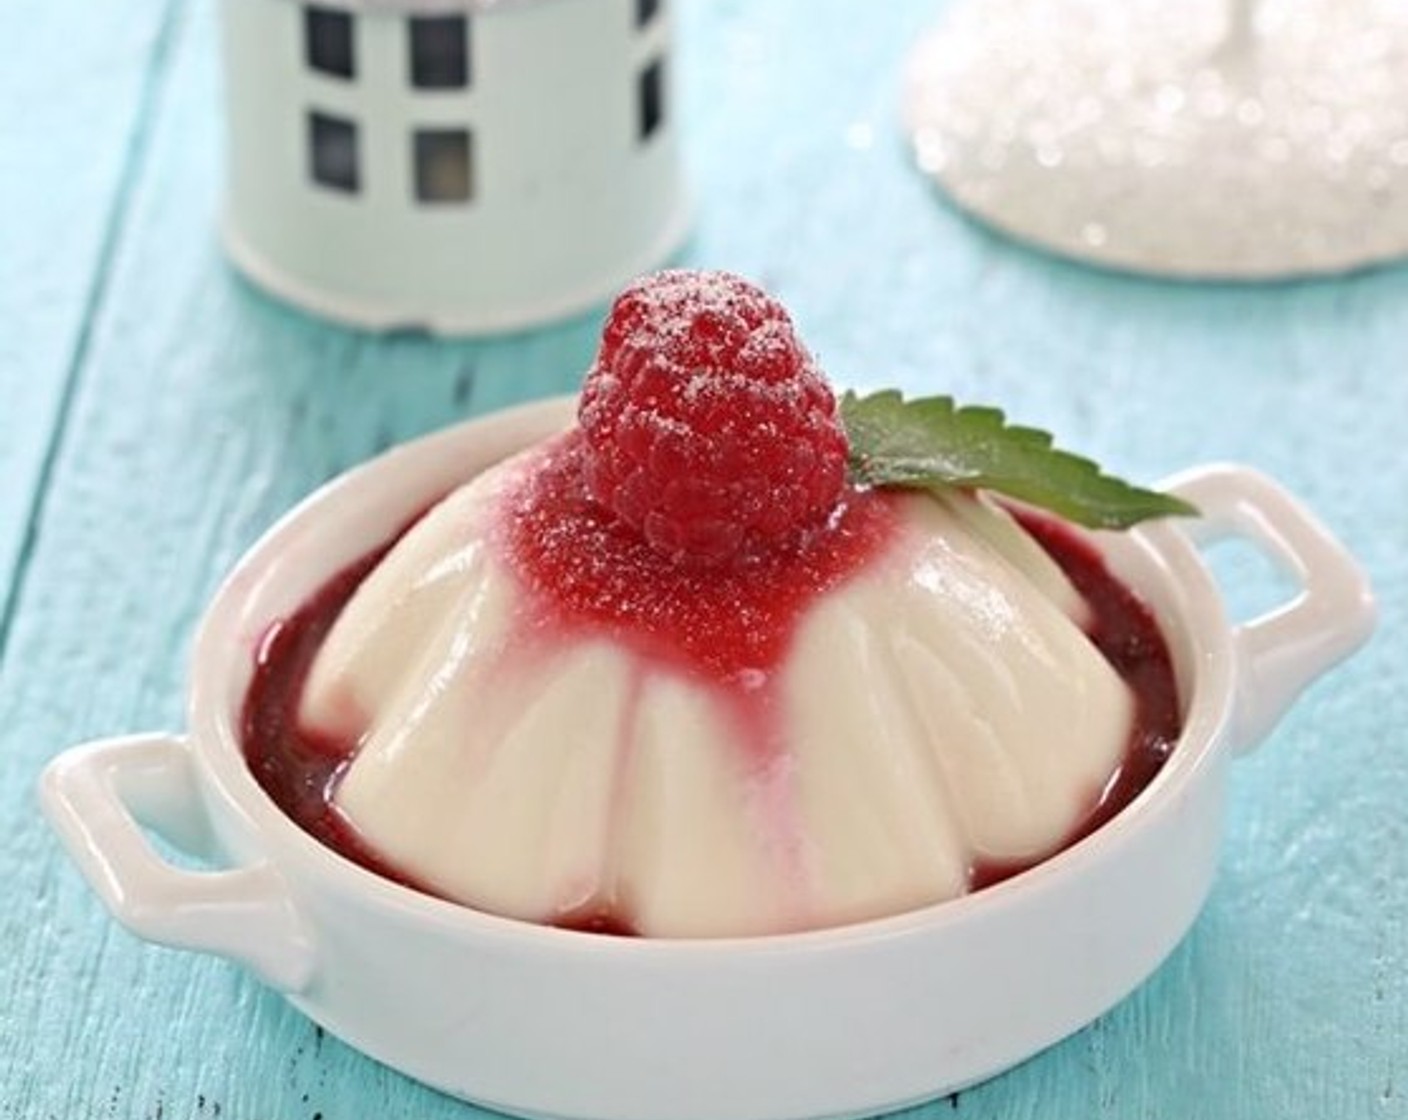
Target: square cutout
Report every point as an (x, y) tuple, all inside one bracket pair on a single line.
[(444, 165), (439, 52), (332, 152), (651, 99), (327, 42)]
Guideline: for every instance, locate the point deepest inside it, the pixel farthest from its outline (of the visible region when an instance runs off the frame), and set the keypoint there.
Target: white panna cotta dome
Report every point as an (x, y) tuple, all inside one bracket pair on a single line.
[(939, 708)]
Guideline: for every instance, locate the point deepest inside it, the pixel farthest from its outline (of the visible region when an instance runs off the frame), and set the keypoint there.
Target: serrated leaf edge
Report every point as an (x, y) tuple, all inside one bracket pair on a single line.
[(1147, 504)]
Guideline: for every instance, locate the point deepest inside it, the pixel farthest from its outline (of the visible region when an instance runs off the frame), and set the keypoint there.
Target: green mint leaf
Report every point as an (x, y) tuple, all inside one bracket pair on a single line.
[(933, 443)]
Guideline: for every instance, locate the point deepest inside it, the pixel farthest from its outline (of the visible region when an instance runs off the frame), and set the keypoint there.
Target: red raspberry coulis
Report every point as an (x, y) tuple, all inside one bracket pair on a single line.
[(585, 571), (730, 628), (692, 520)]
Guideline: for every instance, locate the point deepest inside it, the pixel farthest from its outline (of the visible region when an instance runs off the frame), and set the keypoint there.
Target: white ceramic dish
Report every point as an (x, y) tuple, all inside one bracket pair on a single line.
[(546, 1022)]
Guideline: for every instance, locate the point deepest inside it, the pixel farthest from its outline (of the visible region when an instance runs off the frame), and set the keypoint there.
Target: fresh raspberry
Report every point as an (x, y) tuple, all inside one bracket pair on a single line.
[(709, 428)]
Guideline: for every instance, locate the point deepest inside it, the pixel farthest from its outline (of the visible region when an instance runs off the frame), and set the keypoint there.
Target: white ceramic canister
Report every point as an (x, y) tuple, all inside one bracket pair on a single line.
[(461, 166)]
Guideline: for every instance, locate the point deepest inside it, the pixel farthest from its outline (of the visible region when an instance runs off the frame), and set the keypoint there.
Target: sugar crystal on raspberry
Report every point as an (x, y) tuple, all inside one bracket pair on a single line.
[(709, 428)]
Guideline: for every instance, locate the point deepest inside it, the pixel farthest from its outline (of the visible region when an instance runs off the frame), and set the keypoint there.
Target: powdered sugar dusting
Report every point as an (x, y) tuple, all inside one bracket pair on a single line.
[(671, 302), (709, 428), (585, 571)]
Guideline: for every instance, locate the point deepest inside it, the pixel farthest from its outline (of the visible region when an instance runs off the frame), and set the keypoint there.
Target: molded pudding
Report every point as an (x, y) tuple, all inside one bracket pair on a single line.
[(629, 682)]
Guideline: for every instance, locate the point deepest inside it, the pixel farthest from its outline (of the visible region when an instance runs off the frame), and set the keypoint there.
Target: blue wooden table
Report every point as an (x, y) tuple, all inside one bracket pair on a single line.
[(156, 414)]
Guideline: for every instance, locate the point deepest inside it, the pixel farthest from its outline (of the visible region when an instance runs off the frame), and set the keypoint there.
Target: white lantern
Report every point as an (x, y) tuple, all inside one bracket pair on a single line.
[(459, 167)]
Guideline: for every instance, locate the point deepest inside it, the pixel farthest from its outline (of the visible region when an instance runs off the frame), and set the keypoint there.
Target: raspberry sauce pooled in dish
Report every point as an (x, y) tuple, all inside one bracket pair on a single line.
[(672, 673)]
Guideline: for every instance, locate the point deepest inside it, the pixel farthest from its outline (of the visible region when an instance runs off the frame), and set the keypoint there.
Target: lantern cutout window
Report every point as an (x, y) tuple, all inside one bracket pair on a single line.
[(652, 99), (439, 52), (327, 42), (444, 165), (332, 152)]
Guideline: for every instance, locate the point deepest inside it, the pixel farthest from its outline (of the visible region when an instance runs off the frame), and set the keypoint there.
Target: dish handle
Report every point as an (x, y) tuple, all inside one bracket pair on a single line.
[(1281, 652), (99, 797)]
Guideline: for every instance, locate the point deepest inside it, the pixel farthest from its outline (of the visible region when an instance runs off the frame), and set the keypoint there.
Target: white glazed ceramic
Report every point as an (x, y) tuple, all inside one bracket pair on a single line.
[(567, 201), (546, 1022)]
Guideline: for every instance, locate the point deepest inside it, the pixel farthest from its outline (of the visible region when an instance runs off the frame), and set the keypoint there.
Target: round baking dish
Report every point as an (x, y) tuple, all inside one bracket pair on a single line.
[(547, 1022)]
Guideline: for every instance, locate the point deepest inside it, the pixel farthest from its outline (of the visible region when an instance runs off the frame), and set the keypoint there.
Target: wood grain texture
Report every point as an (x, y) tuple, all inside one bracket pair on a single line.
[(201, 410), (76, 95)]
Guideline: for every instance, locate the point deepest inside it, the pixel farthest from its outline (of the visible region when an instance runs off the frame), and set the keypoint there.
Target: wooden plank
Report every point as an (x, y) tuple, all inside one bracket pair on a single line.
[(75, 88), (203, 410)]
